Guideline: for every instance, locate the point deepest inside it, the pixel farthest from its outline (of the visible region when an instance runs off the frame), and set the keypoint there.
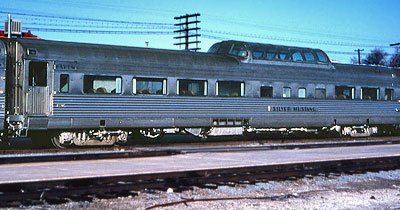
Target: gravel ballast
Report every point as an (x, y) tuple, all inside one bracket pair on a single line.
[(372, 190)]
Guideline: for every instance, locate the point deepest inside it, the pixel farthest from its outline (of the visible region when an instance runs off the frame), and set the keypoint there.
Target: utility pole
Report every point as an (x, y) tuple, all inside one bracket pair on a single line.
[(184, 27), (359, 55)]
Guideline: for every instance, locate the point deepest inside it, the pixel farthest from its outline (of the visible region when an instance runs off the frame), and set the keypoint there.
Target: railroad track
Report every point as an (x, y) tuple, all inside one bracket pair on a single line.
[(62, 189), (114, 186), (56, 155)]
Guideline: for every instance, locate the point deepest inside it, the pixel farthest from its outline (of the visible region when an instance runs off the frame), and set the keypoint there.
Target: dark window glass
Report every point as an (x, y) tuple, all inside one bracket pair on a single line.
[(284, 55), (344, 93), (149, 86), (229, 88), (192, 88), (320, 93), (389, 94), (370, 94), (258, 53), (272, 54), (309, 56), (225, 48), (322, 57), (64, 83), (38, 73), (102, 84), (238, 50), (214, 48), (266, 92), (296, 55)]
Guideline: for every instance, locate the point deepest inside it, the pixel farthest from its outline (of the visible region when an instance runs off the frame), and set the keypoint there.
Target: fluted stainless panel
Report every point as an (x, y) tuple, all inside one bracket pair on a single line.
[(159, 106), (39, 101)]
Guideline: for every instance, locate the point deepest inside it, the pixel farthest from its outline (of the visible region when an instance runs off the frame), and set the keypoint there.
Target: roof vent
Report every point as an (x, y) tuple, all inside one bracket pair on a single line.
[(16, 28)]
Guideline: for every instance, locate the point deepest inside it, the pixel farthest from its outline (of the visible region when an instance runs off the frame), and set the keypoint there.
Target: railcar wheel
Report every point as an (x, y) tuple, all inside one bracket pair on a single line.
[(149, 134), (56, 142), (152, 133), (61, 140)]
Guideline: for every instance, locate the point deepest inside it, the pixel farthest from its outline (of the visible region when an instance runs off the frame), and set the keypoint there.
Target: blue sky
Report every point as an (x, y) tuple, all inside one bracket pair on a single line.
[(337, 27)]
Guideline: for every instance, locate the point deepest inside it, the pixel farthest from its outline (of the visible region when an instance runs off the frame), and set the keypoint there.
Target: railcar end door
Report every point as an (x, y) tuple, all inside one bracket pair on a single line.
[(39, 96)]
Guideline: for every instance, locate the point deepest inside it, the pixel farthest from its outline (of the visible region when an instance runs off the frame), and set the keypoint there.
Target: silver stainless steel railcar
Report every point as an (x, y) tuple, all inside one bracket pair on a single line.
[(90, 94)]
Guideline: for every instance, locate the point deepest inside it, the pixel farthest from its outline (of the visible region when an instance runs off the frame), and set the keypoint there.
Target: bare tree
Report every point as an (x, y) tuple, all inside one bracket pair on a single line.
[(395, 59), (354, 60), (376, 57)]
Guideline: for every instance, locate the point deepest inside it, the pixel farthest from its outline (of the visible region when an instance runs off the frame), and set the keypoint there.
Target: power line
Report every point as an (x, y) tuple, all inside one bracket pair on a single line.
[(150, 25), (305, 31), (84, 19), (96, 31), (100, 25)]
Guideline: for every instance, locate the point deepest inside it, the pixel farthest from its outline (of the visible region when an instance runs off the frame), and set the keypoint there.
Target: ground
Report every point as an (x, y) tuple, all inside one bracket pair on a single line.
[(372, 190)]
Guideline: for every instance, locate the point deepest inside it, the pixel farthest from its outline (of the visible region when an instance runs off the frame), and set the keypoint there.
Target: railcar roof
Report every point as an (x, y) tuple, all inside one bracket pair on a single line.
[(253, 44), (49, 49)]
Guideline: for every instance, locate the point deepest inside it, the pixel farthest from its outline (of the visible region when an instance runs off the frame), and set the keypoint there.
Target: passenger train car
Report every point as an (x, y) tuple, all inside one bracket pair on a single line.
[(91, 94)]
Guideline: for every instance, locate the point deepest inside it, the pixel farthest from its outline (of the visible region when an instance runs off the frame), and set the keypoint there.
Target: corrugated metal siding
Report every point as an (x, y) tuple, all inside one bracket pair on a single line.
[(159, 106), (39, 101), (2, 106)]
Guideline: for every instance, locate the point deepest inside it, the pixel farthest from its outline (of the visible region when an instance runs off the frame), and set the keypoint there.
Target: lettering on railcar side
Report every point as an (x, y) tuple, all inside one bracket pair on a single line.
[(292, 109)]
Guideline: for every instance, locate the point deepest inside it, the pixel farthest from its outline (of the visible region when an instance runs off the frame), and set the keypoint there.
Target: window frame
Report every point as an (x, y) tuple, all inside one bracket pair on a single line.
[(288, 55), (205, 87), (60, 87), (391, 94), (312, 53), (276, 53), (305, 93), (104, 76), (258, 49), (294, 51), (242, 88), (318, 53), (352, 92), (283, 92), (38, 69), (315, 94), (163, 85), (269, 88), (369, 89)]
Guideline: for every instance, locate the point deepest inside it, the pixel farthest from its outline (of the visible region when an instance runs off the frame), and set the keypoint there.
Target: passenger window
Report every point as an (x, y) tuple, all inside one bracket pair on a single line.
[(102, 84), (370, 94), (38, 74), (322, 57), (284, 55), (344, 92), (214, 48), (286, 92), (191, 88), (224, 48), (150, 86), (238, 50), (389, 94), (64, 83), (266, 92), (296, 55), (301, 93), (272, 54), (258, 53), (230, 88), (309, 56), (320, 93)]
